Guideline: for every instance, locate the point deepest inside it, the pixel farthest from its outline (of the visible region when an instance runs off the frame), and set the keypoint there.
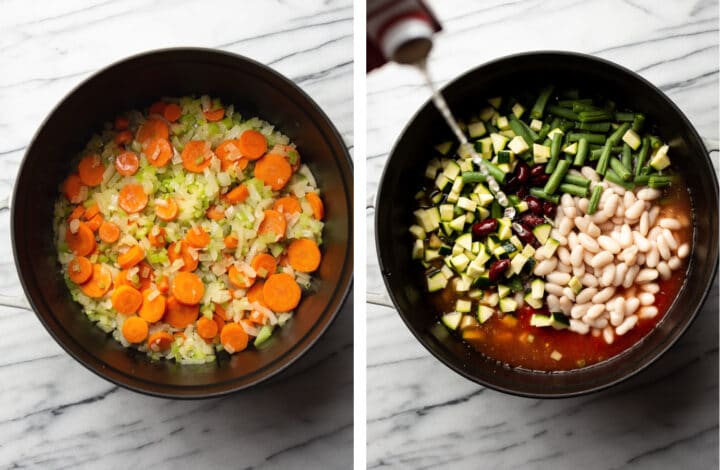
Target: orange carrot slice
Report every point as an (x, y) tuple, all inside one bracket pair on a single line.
[(274, 170), (288, 205), (72, 188), (187, 288), (80, 269), (132, 198), (207, 328), (99, 283), (135, 330), (156, 236), (253, 144), (214, 115), (180, 315), (82, 242), (123, 137), (274, 222), (153, 306), (239, 279), (153, 128), (91, 170), (109, 232), (281, 292), (233, 338), (317, 205), (158, 151), (127, 163), (238, 194), (160, 341), (126, 299), (196, 156), (197, 237), (172, 112), (231, 242), (131, 257), (166, 209), (304, 255), (264, 264)]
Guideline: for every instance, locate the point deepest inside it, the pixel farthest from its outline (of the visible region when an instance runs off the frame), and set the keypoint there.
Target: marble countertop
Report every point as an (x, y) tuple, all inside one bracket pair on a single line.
[(56, 414), (423, 415)]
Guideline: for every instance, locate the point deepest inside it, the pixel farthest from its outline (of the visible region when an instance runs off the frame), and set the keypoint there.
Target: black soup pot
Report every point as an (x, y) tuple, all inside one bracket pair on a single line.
[(404, 173), (135, 83)]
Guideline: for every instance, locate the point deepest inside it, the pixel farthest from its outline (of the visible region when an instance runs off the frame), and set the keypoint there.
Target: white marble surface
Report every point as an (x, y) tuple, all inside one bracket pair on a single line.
[(53, 412), (423, 415)]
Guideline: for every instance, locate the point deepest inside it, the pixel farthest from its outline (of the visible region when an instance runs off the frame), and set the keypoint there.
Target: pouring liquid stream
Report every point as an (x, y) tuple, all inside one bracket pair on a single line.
[(444, 109)]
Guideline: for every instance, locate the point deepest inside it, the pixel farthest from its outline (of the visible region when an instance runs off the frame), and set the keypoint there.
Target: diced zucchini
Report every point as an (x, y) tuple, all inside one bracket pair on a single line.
[(418, 250), (436, 282), (505, 167), (458, 223), (518, 145), (484, 313), (431, 254), (559, 321), (536, 125), (490, 298), (432, 169), (555, 131), (516, 243), (466, 204), (498, 141), (441, 181), (447, 212), (504, 228), (475, 294), (495, 102), (445, 147), (463, 306), (502, 123), (455, 191), (507, 305), (485, 147), (452, 320), (476, 130), (542, 232), (468, 321), (505, 156), (518, 110), (541, 153), (537, 289), (575, 284), (487, 113), (540, 320), (528, 251), (522, 206), (463, 284), (418, 232), (570, 149), (632, 139), (446, 228), (437, 198), (503, 291), (476, 247), (465, 165), (660, 159), (485, 197), (534, 303), (445, 250), (483, 213), (452, 171), (481, 281), (507, 133), (447, 272), (460, 262), (434, 242), (517, 263), (482, 256), (465, 241)]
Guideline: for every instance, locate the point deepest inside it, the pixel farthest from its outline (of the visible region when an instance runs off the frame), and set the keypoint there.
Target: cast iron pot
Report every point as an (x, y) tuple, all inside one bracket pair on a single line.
[(403, 175), (135, 83)]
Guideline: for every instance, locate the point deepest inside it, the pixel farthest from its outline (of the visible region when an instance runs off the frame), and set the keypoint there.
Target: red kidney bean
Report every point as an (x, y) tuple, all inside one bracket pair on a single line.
[(532, 220), (525, 235), (497, 268), (540, 180), (537, 170), (549, 209), (535, 205), (484, 227), (522, 192), (512, 184), (522, 171)]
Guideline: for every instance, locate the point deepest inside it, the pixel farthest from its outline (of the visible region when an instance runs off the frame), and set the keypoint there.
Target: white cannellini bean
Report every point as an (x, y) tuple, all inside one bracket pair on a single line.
[(601, 259), (608, 244), (570, 212), (599, 217), (683, 251), (545, 267), (608, 335), (567, 292), (620, 305), (608, 275), (607, 227), (611, 204), (653, 258), (586, 295), (593, 230), (604, 295), (565, 226), (564, 268), (579, 326), (649, 194), (588, 243), (664, 270), (629, 255), (648, 312), (582, 223), (671, 242), (626, 325), (553, 289), (629, 199), (674, 263), (583, 205), (646, 275), (579, 271), (617, 220), (588, 280), (669, 223), (576, 256), (644, 224), (595, 311), (572, 240), (561, 239), (579, 310), (620, 272), (663, 248), (601, 322), (589, 173), (564, 255), (653, 214), (565, 305), (626, 236), (630, 276), (561, 279), (635, 210), (631, 305), (616, 318), (646, 298), (640, 259), (651, 287), (553, 302), (567, 200)]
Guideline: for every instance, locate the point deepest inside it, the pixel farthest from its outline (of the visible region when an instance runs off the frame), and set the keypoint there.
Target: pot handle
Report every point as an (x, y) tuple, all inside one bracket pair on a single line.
[(14, 301)]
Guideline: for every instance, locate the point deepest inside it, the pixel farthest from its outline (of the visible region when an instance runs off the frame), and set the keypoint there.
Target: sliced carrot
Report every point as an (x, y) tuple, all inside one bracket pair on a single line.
[(180, 315), (214, 115), (135, 330), (207, 328), (109, 232), (196, 156), (274, 170), (153, 128), (123, 137), (238, 194), (157, 107), (126, 299), (181, 250), (317, 205), (292, 156), (231, 242), (215, 213), (132, 198), (253, 144), (264, 264), (257, 317), (160, 341), (79, 269), (123, 279), (288, 205), (255, 293), (131, 257), (163, 285), (76, 213), (273, 222), (172, 112), (152, 310), (304, 255), (122, 123), (220, 322), (281, 292), (72, 188), (91, 211), (99, 283), (127, 163), (197, 237), (146, 275), (187, 288), (239, 279), (82, 242), (156, 236), (91, 170), (158, 151), (220, 311), (229, 153), (166, 209), (233, 338), (96, 222)]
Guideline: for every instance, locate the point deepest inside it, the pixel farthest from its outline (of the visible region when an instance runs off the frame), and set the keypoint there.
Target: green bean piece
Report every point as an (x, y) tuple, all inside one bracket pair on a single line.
[(655, 141), (638, 122), (580, 107), (469, 177), (582, 151), (533, 135), (544, 130), (594, 116), (624, 117), (576, 180), (593, 126), (659, 181), (573, 189), (496, 209), (495, 172), (491, 129), (557, 176), (571, 103), (566, 125), (641, 180), (519, 129), (627, 156), (540, 194), (613, 177), (538, 108), (611, 141), (591, 138), (621, 170), (595, 199), (642, 156), (555, 147), (562, 112)]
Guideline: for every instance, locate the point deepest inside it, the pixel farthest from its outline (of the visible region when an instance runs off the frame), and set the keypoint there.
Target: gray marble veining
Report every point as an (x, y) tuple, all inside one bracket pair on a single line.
[(420, 413), (54, 413)]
